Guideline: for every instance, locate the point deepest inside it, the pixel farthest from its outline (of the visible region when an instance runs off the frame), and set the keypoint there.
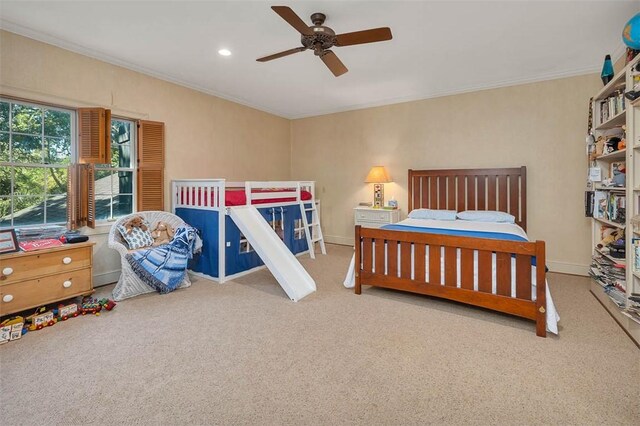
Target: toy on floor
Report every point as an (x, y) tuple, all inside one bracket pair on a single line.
[(90, 305), (11, 329), (107, 304), (41, 318), (64, 312), (162, 234)]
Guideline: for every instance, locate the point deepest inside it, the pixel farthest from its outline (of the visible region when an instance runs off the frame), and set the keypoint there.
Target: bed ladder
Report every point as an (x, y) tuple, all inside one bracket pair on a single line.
[(313, 230)]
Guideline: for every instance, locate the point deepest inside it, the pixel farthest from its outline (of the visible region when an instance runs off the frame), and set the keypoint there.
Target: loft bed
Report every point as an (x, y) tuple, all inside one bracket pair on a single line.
[(440, 261), (288, 206)]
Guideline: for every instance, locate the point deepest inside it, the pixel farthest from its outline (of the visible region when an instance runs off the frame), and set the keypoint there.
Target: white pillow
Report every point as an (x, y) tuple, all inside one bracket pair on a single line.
[(487, 216), (433, 214)]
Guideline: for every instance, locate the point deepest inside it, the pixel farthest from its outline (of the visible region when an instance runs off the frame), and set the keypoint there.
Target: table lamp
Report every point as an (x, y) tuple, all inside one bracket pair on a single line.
[(378, 176)]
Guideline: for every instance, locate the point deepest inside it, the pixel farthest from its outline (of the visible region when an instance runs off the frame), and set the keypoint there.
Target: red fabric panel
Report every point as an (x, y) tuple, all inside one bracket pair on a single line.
[(237, 197)]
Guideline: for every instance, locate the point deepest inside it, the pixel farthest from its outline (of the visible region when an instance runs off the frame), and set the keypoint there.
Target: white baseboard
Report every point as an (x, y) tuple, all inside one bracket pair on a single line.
[(334, 239), (106, 278), (568, 268)]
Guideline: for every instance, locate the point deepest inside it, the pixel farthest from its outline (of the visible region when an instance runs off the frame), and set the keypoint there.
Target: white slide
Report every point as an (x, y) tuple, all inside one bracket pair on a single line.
[(284, 266)]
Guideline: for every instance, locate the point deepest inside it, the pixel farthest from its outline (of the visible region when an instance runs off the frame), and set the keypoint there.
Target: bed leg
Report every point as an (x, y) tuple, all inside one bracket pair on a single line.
[(358, 262), (541, 327), (541, 290)]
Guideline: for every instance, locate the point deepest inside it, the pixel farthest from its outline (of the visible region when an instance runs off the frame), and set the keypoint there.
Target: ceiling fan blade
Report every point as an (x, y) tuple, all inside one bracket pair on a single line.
[(333, 63), (294, 20), (281, 54), (366, 36)]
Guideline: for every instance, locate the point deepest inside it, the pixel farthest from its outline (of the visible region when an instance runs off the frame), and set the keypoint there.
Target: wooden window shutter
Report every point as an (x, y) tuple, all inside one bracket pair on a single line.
[(150, 171), (94, 136), (89, 194), (81, 210), (72, 197)]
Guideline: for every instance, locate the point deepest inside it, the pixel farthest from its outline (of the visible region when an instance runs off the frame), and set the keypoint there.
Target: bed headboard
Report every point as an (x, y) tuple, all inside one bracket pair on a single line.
[(471, 189)]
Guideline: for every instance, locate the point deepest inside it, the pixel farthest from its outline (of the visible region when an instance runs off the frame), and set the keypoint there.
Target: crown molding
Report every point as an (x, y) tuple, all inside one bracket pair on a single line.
[(460, 91), (73, 47)]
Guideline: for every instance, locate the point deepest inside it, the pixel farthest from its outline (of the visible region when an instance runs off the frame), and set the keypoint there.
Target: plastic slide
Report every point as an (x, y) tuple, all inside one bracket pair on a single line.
[(284, 266)]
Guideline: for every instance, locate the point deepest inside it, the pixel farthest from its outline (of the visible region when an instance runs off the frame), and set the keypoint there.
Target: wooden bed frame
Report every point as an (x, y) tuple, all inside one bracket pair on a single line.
[(462, 189)]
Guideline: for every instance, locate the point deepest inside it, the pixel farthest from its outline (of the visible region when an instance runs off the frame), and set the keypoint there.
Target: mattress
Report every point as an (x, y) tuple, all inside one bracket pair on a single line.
[(500, 231)]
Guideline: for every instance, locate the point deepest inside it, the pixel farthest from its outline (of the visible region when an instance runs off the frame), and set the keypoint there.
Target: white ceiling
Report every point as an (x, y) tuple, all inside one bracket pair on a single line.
[(438, 48)]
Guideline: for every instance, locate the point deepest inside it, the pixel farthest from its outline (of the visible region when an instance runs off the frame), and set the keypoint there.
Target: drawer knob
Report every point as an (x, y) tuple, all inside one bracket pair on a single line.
[(66, 260), (7, 298), (7, 271), (66, 284)]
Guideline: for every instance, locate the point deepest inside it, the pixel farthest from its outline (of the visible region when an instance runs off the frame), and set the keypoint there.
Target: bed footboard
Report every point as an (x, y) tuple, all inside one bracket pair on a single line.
[(492, 274)]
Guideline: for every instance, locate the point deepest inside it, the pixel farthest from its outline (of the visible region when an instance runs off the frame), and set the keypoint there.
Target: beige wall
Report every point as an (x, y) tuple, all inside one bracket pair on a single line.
[(541, 126), (205, 136)]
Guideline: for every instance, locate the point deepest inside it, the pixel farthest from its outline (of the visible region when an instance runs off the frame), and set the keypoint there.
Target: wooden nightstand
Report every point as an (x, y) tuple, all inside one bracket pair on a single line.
[(375, 218)]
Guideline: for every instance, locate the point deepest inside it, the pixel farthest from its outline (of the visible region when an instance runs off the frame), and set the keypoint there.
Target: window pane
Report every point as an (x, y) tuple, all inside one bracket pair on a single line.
[(26, 119), (5, 181), (28, 211), (28, 181), (57, 150), (123, 183), (122, 205), (120, 143), (56, 208), (103, 207), (56, 181), (5, 212), (4, 116), (103, 181), (4, 146), (57, 123), (26, 149), (121, 155)]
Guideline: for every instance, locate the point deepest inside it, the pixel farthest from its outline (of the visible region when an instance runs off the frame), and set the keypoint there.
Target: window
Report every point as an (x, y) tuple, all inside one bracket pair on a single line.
[(298, 229), (36, 146), (114, 183)]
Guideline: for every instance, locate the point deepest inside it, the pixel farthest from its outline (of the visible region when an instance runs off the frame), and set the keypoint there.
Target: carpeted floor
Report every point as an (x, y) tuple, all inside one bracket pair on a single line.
[(242, 353)]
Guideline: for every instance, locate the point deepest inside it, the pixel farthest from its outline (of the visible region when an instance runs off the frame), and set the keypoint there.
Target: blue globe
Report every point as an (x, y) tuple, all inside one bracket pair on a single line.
[(631, 33)]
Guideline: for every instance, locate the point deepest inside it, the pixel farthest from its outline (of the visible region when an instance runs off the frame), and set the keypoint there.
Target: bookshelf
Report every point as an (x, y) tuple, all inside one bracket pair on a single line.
[(616, 209)]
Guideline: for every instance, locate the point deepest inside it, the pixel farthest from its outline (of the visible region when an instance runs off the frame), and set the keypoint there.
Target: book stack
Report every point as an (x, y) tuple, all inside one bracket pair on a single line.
[(611, 276), (611, 106), (633, 307)]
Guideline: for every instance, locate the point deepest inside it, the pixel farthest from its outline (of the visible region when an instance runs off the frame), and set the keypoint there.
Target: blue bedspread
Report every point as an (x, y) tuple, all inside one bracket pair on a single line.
[(456, 232), (163, 267), (461, 233)]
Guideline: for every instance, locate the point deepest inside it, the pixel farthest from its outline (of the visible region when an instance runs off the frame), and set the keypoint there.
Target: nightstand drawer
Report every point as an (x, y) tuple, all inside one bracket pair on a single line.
[(33, 264), (18, 296), (373, 216)]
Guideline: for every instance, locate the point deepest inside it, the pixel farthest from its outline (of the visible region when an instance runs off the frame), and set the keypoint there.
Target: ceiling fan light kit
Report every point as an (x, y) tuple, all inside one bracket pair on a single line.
[(320, 39)]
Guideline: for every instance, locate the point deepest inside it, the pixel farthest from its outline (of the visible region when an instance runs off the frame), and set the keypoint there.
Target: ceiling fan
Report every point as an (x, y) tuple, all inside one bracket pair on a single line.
[(321, 38)]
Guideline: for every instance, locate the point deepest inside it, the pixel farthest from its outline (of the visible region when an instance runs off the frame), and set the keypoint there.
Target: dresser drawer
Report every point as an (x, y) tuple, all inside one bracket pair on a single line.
[(27, 294), (373, 216), (34, 264)]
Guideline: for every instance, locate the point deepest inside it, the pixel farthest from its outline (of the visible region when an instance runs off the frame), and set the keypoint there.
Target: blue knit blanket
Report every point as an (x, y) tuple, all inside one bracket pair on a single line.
[(163, 268)]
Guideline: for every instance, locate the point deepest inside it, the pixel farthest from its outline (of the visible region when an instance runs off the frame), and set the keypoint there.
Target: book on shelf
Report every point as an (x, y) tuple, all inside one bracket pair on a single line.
[(609, 206), (611, 106)]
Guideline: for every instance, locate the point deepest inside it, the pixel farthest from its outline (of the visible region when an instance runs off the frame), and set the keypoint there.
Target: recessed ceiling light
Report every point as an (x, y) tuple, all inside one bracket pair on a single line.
[(224, 52)]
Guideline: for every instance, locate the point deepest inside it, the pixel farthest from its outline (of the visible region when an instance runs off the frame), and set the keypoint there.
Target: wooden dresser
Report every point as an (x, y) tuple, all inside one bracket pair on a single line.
[(32, 279)]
